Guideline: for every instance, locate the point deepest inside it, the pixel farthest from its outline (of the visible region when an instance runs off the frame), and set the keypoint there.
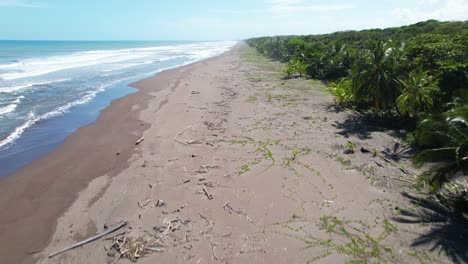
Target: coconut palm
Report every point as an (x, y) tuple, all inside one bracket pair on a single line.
[(445, 140), (374, 76), (417, 94)]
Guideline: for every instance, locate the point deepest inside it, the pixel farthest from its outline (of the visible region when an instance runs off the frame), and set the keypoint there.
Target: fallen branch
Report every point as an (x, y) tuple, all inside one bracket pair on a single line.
[(89, 240)]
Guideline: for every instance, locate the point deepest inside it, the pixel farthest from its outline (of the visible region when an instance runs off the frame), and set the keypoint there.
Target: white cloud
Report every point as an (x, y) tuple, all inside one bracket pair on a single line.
[(287, 8), (433, 9), (291, 7)]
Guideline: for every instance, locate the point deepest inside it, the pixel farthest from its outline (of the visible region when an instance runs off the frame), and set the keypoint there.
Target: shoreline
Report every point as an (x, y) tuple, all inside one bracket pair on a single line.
[(54, 131), (39, 193)]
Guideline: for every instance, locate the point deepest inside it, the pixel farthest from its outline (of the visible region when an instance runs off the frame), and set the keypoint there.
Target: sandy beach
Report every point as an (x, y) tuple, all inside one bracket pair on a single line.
[(236, 166)]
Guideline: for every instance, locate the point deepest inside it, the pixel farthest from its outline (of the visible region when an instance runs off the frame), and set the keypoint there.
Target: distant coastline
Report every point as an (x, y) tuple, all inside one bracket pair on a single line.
[(48, 89)]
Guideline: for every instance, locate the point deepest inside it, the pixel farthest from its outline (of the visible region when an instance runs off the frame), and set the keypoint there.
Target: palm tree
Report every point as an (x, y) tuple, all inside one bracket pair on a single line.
[(445, 140), (418, 91), (374, 76)]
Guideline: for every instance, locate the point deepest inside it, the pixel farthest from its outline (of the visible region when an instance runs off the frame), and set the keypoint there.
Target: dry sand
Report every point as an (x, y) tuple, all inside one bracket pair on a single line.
[(250, 168)]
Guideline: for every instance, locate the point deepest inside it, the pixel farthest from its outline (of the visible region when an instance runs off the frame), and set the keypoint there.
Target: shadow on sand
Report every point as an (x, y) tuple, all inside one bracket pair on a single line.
[(449, 231), (363, 125)]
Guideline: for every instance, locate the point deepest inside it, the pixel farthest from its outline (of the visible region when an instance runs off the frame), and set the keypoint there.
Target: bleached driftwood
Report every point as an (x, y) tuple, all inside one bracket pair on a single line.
[(139, 140), (89, 240)]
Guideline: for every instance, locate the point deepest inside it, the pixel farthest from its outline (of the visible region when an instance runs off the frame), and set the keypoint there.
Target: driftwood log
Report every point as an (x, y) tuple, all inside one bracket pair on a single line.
[(89, 240)]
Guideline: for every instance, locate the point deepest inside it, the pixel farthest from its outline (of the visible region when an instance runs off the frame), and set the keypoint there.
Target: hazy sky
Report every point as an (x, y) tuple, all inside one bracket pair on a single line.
[(209, 19)]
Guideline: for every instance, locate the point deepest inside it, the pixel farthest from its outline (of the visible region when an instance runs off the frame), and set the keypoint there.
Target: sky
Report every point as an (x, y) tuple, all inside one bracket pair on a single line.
[(210, 19)]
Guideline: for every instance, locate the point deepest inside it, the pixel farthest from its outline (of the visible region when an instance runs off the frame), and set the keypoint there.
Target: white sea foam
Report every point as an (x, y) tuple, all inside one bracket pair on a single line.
[(33, 119), (7, 109), (128, 65), (40, 66), (11, 107), (29, 85)]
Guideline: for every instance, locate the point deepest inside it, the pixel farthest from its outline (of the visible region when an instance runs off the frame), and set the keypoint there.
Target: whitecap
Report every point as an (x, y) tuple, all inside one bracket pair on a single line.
[(8, 109), (40, 66), (12, 89)]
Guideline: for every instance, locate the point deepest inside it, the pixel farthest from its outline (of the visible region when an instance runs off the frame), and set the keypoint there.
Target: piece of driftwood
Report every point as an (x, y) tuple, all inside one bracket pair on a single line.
[(89, 240), (209, 196), (184, 181), (139, 140), (155, 249)]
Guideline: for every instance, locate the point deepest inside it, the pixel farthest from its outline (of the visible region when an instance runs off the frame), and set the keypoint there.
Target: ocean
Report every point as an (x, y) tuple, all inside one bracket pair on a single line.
[(48, 89)]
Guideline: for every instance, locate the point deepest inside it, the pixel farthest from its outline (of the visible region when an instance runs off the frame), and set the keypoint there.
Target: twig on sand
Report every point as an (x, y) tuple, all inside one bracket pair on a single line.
[(404, 171), (396, 165), (181, 132), (195, 142), (184, 181), (89, 240), (209, 196), (190, 142), (145, 203), (169, 225), (35, 252), (229, 207)]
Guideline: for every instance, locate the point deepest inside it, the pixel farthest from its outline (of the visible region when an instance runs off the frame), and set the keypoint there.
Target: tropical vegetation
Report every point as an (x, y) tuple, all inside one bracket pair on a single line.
[(416, 73)]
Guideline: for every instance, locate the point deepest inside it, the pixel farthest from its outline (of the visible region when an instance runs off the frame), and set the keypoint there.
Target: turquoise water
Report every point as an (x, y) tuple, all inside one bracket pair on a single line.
[(50, 89)]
